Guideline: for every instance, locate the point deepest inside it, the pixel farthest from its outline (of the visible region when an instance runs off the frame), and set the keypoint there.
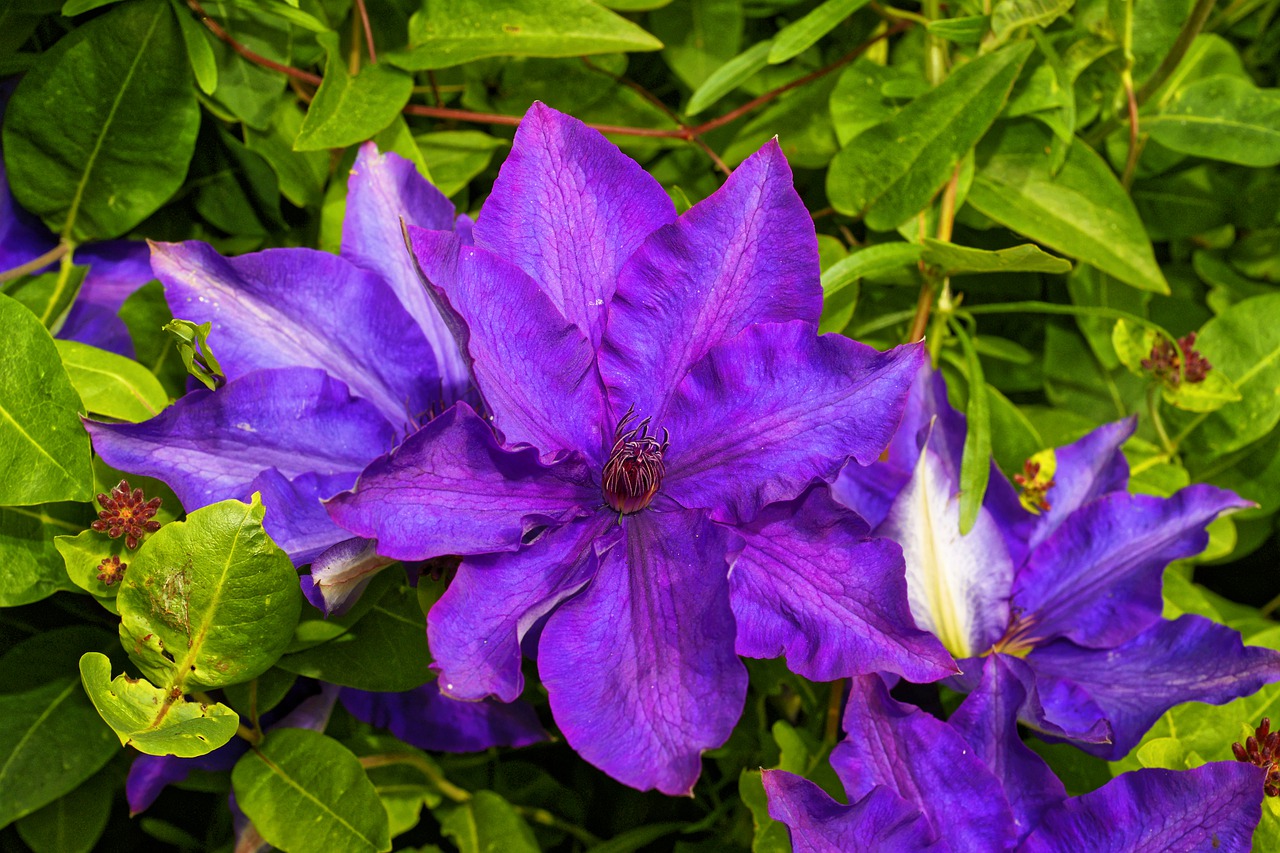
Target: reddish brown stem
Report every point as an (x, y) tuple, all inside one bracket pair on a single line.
[(1131, 162), (255, 58), (368, 31)]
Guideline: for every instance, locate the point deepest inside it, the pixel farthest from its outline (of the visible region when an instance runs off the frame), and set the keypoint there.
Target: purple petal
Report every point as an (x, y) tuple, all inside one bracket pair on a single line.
[(810, 584), (149, 775), (312, 712), (535, 370), (341, 573), (210, 446), (881, 822), (385, 190), (1096, 579), (451, 489), (304, 308), (988, 720), (1191, 659), (23, 236), (1213, 807), (476, 627), (296, 519), (640, 667), (926, 762), (1083, 472), (958, 586), (425, 718), (97, 326), (116, 269), (768, 411), (569, 208), (745, 255)]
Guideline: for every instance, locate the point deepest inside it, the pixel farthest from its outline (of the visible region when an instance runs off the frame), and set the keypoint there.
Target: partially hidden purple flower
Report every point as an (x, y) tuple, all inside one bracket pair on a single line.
[(330, 361), (1064, 585), (636, 504), (917, 783)]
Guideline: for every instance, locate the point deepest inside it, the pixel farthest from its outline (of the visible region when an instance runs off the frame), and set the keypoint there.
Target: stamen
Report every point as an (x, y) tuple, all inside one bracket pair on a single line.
[(1018, 639), (633, 472), (1262, 749), (1035, 481)]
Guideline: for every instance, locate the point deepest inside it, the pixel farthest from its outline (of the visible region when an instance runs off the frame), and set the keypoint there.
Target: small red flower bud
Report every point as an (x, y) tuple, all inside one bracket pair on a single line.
[(127, 513), (111, 570)]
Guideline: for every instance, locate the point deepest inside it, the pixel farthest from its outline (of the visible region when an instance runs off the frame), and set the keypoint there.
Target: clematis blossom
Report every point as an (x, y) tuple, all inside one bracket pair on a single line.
[(636, 503), (1063, 583), (917, 783), (330, 361)]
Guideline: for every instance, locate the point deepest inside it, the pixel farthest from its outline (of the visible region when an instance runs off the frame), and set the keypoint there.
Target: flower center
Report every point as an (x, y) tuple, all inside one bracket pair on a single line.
[(1262, 749), (1035, 481), (1019, 638), (127, 513), (633, 474)]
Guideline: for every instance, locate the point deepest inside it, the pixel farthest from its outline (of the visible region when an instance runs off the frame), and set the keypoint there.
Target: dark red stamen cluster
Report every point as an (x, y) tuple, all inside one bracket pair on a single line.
[(127, 513), (1262, 749), (111, 570), (1165, 358), (1034, 490), (633, 473)]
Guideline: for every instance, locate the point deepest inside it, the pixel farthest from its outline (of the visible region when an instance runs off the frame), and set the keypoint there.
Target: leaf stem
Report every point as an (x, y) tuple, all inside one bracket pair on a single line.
[(422, 765), (368, 31), (36, 263), (1135, 149), (546, 818), (1153, 407)]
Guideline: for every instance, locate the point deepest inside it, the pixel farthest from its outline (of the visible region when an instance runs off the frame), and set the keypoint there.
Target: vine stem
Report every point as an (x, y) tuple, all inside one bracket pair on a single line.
[(257, 59), (946, 224), (368, 31), (1153, 407), (36, 263)]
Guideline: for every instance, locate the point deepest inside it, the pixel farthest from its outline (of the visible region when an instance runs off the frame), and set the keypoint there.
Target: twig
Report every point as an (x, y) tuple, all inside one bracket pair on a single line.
[(255, 58), (368, 31), (36, 263)]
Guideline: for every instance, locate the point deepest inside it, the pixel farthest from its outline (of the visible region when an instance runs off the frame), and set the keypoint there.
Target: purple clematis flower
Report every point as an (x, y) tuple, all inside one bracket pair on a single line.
[(917, 783), (637, 503), (330, 361), (1063, 584)]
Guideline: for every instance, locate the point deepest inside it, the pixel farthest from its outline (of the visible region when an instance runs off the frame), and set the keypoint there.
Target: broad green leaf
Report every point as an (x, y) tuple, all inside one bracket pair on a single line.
[(1222, 118), (301, 174), (78, 7), (872, 260), (457, 156), (305, 791), (1081, 211), (204, 64), (99, 134), (486, 823), (111, 384), (83, 557), (386, 650), (451, 32), (236, 190), (698, 36), (1208, 395), (795, 38), (728, 77), (51, 739), (44, 450), (1010, 15), (209, 601), (967, 30), (32, 568), (960, 260), (975, 466), (247, 91), (152, 719), (74, 822), (860, 99), (347, 109), (890, 171), (1132, 344), (49, 295)]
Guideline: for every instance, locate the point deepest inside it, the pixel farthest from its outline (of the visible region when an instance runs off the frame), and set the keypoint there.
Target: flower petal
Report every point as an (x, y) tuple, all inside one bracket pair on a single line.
[(210, 446), (766, 412), (96, 326), (425, 718), (1216, 806), (1191, 659), (569, 208), (535, 370), (640, 666), (296, 519), (927, 763), (116, 269), (383, 191), (1096, 579), (958, 586), (1083, 472), (745, 255), (476, 627), (341, 572), (452, 489), (881, 822), (304, 308), (809, 583)]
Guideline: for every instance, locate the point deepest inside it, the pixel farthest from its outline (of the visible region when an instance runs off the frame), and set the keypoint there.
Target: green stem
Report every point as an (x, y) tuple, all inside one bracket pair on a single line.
[(1153, 407), (546, 818), (36, 263), (426, 768)]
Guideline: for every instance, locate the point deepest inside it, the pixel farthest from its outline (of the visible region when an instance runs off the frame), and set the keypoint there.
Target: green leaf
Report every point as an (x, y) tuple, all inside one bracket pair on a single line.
[(145, 313), (486, 823), (111, 384), (247, 91), (51, 739), (74, 822), (960, 260), (795, 38), (209, 601), (892, 170), (860, 98), (975, 465), (44, 451), (1208, 395), (49, 295), (1132, 344), (301, 174), (967, 30), (82, 556), (396, 137), (151, 719), (32, 568), (386, 650), (193, 347), (869, 261), (699, 36), (78, 7), (457, 156), (1221, 117), (1081, 211), (728, 77), (99, 134), (1010, 15), (451, 32), (347, 109), (305, 791), (199, 41)]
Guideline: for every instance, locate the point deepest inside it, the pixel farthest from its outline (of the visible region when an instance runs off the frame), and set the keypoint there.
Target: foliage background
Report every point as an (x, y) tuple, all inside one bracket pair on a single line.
[(1045, 187)]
